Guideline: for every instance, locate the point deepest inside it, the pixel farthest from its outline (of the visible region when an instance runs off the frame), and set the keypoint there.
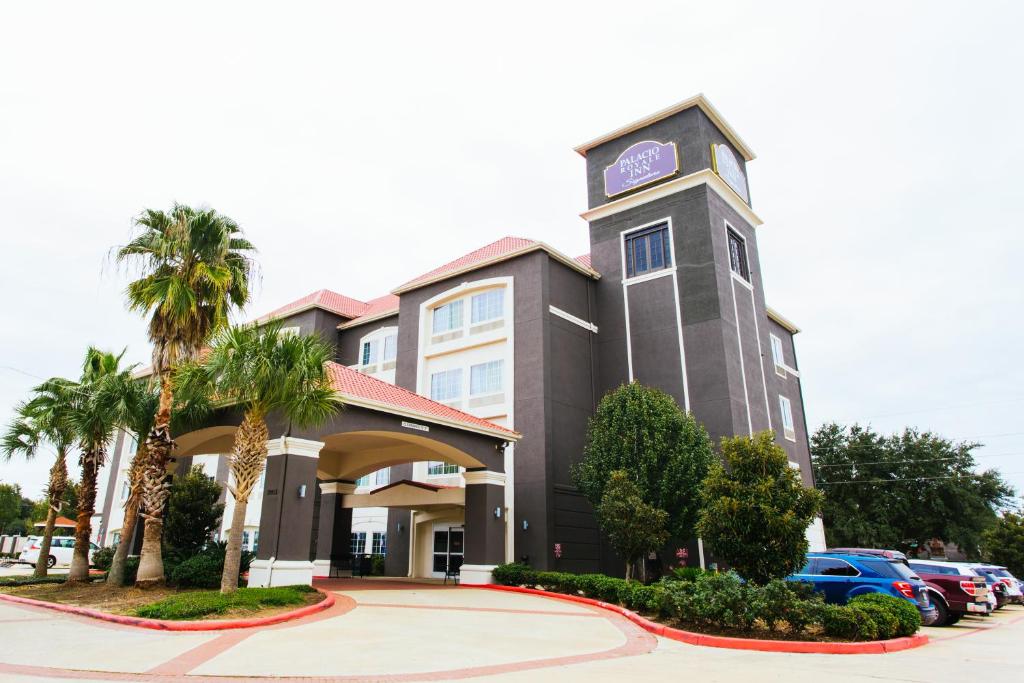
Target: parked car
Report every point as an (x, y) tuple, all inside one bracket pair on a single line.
[(1011, 586), (953, 592), (61, 550), (891, 554), (842, 576)]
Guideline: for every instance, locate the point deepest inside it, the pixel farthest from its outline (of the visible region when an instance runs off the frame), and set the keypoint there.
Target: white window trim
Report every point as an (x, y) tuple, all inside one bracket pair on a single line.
[(789, 434), (379, 335), (589, 327), (746, 256), (664, 272), (780, 360)]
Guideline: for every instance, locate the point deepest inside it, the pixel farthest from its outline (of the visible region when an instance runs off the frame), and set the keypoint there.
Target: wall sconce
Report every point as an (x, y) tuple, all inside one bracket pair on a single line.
[(302, 491), (526, 525), (401, 527), (497, 512)]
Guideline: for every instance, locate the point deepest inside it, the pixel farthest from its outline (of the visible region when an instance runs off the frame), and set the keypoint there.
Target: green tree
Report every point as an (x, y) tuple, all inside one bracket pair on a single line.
[(194, 268), (903, 490), (193, 514), (756, 509), (43, 420), (260, 370), (634, 528), (1004, 542), (10, 506), (666, 453), (97, 406)]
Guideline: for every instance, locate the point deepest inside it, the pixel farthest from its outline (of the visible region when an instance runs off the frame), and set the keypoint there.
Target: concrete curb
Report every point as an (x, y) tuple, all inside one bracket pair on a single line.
[(874, 647), (168, 625)]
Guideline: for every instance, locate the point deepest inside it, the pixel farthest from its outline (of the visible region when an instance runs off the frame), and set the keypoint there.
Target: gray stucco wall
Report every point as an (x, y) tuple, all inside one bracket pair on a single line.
[(348, 339)]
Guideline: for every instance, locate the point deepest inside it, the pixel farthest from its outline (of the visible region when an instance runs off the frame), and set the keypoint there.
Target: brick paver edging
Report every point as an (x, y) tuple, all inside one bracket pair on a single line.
[(168, 625), (874, 647)]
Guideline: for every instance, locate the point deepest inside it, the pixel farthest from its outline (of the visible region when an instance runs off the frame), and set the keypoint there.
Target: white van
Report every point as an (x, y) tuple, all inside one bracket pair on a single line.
[(61, 550)]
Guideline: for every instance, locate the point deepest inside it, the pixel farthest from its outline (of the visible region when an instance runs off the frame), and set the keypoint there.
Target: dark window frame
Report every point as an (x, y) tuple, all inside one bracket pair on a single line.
[(739, 263), (639, 243)]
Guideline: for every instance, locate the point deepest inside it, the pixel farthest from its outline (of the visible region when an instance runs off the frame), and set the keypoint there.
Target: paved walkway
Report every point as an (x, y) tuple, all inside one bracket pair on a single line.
[(397, 631)]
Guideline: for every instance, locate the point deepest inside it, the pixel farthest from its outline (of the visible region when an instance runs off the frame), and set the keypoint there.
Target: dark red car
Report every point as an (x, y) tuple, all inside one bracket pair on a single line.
[(954, 594)]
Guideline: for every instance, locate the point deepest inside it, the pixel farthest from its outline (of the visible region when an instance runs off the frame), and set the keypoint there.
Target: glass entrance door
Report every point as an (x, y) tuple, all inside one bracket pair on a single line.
[(449, 548)]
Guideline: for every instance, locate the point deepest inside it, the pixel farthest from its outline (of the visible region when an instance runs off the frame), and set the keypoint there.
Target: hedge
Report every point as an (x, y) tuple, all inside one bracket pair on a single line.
[(195, 604), (722, 601)]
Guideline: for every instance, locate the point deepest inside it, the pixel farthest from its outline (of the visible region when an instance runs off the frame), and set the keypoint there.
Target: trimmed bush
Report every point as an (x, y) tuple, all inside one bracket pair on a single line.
[(13, 581), (778, 602), (848, 622), (195, 604), (103, 558), (514, 574), (901, 617), (204, 569)]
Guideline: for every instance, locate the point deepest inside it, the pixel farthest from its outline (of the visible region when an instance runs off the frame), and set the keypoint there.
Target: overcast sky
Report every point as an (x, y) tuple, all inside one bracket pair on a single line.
[(360, 144)]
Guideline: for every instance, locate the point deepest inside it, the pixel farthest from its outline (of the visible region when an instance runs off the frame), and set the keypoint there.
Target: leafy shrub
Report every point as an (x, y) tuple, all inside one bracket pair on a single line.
[(514, 574), (718, 600), (196, 604), (103, 558), (779, 602), (848, 622), (131, 569), (639, 597), (377, 568), (204, 569), (685, 573), (900, 617)]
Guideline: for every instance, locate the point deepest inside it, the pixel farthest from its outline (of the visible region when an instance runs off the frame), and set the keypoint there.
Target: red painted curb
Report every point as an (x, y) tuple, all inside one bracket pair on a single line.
[(168, 625), (874, 647)]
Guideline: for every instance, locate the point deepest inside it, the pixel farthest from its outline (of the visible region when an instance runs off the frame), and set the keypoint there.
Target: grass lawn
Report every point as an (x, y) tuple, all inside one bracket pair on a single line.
[(171, 603)]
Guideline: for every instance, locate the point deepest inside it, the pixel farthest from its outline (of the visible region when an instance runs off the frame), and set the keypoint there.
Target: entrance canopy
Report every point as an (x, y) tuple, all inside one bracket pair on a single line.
[(410, 495)]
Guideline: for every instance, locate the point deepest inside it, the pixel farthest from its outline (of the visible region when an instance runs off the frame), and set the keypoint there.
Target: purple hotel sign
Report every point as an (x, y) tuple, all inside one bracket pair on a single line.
[(640, 164)]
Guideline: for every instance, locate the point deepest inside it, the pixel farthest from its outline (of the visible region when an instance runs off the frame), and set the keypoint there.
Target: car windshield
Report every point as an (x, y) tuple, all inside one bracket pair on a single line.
[(890, 569)]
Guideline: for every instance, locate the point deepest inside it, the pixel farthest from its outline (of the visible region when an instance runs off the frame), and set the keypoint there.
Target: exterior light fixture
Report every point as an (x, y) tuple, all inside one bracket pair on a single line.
[(401, 527), (526, 525), (302, 491), (497, 512)]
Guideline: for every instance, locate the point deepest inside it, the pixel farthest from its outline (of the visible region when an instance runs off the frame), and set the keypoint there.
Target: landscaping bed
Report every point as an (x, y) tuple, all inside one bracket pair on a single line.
[(170, 603), (720, 604)]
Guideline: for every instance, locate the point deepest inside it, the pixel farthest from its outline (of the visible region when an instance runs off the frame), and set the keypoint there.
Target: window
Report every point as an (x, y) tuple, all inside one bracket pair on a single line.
[(777, 357), (116, 538), (437, 468), (485, 378), (647, 251), (889, 569), (370, 350), (787, 418), (358, 542), (487, 306), (125, 490), (446, 385), (379, 543), (289, 332), (255, 540), (824, 566), (381, 477), (390, 347), (245, 540), (738, 256), (448, 317)]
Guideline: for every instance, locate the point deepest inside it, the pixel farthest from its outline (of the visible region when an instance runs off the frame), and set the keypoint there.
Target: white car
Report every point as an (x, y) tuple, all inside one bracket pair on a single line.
[(1014, 593), (61, 550)]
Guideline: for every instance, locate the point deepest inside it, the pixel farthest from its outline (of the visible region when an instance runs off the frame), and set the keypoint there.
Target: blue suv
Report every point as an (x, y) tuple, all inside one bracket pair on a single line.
[(842, 576)]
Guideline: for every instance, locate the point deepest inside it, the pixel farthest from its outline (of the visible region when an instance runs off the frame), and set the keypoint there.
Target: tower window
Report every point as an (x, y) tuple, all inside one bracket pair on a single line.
[(647, 251), (738, 256)]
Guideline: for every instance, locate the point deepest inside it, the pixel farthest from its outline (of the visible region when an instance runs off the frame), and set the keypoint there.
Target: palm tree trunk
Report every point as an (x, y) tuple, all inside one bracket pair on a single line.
[(233, 554), (55, 492), (155, 489), (246, 465), (91, 460), (115, 576)]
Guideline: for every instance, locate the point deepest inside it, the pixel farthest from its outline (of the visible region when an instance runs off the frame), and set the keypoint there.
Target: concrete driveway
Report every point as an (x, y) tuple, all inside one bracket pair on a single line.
[(395, 631)]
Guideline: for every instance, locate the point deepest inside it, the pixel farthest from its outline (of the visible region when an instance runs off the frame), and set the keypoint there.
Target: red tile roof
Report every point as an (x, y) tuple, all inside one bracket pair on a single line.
[(585, 260), (324, 298), (375, 308), (356, 385), (494, 250)]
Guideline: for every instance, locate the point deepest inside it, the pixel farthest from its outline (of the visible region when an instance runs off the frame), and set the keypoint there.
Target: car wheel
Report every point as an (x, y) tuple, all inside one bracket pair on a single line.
[(51, 561), (942, 618), (953, 618)]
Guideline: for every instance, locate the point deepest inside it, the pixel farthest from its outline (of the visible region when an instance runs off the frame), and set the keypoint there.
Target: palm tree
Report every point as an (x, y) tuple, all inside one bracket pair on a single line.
[(260, 371), (43, 419), (143, 402), (97, 406), (194, 268)]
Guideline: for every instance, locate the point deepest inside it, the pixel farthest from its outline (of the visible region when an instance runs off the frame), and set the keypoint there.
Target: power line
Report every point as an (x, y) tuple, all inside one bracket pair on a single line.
[(892, 481), (897, 462)]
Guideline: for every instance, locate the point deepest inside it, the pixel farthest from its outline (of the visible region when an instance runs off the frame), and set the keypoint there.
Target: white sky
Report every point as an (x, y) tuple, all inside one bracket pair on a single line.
[(360, 144)]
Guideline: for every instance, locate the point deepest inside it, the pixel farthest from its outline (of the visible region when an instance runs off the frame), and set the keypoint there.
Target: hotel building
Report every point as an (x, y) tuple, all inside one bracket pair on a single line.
[(467, 389)]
